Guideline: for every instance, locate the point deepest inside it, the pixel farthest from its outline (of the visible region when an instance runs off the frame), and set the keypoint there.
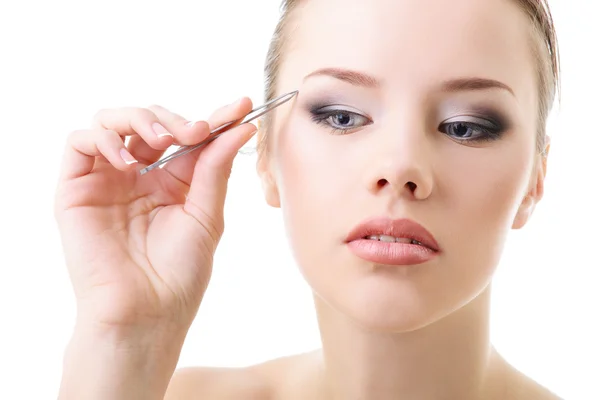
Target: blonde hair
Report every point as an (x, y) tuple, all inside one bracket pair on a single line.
[(545, 51)]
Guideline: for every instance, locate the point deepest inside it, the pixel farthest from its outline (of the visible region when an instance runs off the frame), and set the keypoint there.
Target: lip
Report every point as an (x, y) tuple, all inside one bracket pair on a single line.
[(392, 253)]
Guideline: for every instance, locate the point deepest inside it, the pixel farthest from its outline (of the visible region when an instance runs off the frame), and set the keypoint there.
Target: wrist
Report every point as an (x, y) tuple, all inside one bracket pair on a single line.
[(120, 362), (151, 336)]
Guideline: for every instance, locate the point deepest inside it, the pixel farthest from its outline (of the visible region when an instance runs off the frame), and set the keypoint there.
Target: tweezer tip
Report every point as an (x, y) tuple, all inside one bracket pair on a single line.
[(147, 169), (284, 98), (290, 94)]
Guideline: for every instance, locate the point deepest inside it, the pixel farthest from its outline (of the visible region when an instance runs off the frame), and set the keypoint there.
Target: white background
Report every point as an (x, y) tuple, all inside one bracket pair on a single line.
[(62, 60)]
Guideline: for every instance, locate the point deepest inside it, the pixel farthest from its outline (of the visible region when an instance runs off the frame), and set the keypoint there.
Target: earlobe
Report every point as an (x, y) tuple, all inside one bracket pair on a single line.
[(524, 212), (536, 191), (270, 190), (269, 186)]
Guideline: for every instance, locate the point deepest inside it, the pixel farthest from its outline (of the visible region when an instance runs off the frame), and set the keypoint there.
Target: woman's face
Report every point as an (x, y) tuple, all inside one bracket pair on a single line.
[(423, 110)]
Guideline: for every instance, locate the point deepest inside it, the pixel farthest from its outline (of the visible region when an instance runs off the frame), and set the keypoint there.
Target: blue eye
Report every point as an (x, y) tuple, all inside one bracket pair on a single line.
[(471, 131), (343, 121), (340, 121)]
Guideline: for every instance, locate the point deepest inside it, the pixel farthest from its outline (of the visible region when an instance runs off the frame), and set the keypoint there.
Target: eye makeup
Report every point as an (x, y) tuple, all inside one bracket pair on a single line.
[(475, 124), (340, 119), (463, 130), (472, 124), (465, 120)]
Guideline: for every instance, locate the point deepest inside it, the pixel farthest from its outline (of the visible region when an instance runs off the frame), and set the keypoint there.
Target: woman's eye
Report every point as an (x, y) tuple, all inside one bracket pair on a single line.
[(340, 121), (461, 130), (470, 131)]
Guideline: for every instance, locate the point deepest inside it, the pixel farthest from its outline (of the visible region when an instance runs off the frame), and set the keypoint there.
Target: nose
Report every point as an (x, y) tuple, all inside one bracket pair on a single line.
[(403, 164)]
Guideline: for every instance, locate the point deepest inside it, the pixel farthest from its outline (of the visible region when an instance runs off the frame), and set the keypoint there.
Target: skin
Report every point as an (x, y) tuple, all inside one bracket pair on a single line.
[(420, 332), (399, 164)]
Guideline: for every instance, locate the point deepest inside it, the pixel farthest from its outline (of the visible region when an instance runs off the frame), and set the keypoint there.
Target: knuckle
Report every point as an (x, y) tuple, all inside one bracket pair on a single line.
[(107, 140), (75, 134), (143, 114), (100, 115), (108, 134), (164, 114), (212, 225), (111, 137), (156, 107)]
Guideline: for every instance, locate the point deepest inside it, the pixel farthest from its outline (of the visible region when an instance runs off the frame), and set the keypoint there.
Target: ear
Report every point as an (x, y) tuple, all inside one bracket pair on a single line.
[(536, 189), (264, 170)]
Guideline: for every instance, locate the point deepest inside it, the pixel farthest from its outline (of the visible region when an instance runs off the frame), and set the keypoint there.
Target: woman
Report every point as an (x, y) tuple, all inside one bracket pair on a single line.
[(416, 142)]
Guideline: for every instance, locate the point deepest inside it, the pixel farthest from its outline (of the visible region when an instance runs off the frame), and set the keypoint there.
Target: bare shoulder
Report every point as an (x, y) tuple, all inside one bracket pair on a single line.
[(525, 388), (216, 383), (531, 390), (265, 381)]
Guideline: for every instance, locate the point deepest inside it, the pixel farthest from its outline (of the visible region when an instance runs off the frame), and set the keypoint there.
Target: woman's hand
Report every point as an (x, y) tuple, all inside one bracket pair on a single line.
[(139, 248)]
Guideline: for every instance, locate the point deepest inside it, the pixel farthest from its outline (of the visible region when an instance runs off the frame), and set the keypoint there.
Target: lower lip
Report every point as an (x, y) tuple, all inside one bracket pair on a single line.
[(391, 253)]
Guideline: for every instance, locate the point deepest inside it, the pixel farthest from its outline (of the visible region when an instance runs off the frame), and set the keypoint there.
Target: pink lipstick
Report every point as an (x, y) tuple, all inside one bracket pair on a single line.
[(392, 242)]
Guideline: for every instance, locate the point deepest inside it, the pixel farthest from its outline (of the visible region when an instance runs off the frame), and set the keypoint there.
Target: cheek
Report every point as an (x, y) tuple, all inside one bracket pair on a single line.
[(480, 195), (311, 167), (315, 180), (488, 185)]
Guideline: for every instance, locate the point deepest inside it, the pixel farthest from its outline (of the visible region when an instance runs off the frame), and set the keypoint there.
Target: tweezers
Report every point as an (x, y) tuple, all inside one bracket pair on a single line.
[(215, 133)]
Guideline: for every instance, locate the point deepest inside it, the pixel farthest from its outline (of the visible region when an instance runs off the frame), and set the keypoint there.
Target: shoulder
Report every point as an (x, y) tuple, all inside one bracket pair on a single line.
[(510, 382), (524, 387), (216, 383), (269, 380), (531, 390)]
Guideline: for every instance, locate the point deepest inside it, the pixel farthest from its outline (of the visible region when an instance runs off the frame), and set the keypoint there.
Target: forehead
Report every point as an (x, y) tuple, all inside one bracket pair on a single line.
[(413, 41)]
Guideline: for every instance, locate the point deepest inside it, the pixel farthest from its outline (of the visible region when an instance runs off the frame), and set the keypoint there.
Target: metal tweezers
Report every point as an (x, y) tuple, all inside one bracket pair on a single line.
[(215, 133)]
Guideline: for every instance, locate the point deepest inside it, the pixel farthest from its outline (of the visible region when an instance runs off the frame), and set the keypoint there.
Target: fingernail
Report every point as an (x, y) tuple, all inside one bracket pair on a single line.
[(160, 130), (190, 124), (127, 157)]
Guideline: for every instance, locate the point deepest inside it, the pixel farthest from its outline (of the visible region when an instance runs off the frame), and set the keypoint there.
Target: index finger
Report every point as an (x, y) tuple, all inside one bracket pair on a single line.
[(129, 121), (183, 167)]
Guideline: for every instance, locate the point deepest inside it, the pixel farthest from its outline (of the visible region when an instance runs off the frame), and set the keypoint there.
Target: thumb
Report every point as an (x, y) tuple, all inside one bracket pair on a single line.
[(208, 189)]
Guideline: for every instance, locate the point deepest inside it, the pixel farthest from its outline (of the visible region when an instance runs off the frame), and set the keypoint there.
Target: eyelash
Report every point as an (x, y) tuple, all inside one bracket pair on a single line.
[(322, 117), (487, 133)]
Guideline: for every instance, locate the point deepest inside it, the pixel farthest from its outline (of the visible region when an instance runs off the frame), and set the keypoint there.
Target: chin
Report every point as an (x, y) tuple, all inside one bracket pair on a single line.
[(386, 306)]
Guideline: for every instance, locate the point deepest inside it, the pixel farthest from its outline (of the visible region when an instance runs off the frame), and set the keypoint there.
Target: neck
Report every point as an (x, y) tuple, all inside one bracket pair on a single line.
[(449, 359)]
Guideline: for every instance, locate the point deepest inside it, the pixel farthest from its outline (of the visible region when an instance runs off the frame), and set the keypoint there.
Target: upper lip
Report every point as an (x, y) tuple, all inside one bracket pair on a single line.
[(400, 228)]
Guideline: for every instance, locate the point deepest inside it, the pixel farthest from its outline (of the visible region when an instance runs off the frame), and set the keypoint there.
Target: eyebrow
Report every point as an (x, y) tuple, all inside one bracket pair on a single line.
[(454, 85), (467, 84), (352, 77)]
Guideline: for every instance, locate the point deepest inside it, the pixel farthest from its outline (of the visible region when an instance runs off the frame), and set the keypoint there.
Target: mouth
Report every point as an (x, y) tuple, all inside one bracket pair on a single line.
[(404, 231), (392, 242), (392, 239)]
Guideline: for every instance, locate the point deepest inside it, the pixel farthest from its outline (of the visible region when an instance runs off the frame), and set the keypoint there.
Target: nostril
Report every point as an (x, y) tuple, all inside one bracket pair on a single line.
[(381, 183), (412, 186)]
